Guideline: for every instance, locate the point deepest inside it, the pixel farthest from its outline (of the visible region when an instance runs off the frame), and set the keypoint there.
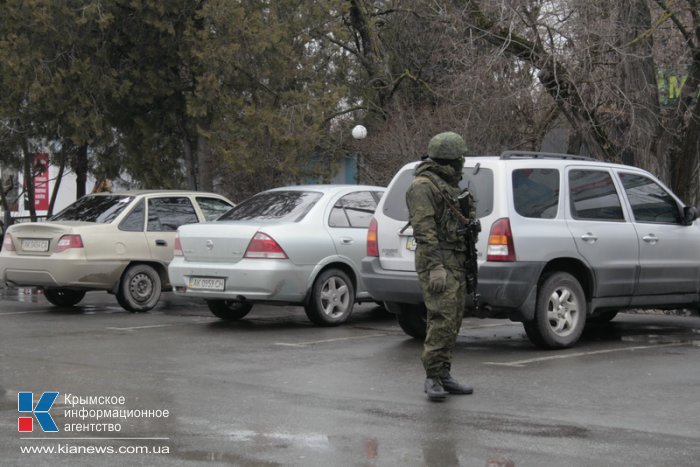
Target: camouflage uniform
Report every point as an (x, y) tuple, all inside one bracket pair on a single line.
[(435, 228)]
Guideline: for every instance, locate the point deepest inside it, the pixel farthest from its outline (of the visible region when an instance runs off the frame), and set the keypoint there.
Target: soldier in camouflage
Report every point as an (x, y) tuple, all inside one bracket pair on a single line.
[(441, 254)]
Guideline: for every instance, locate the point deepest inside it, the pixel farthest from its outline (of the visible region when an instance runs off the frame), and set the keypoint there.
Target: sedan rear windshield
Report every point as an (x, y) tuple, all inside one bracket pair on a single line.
[(99, 209), (274, 205)]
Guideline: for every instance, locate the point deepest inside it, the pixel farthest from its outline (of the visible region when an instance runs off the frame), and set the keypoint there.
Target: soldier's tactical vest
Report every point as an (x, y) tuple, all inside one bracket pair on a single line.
[(448, 224)]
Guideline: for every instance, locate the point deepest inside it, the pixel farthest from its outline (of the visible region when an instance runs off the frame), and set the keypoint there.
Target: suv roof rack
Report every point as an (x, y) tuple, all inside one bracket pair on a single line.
[(541, 155)]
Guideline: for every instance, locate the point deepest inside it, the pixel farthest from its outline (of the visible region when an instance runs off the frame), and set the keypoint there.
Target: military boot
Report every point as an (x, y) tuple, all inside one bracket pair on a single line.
[(452, 386), (433, 388)]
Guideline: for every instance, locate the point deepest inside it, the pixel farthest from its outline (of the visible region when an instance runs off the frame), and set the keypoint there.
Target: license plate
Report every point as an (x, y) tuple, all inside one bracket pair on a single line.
[(32, 244), (206, 283), (411, 244)]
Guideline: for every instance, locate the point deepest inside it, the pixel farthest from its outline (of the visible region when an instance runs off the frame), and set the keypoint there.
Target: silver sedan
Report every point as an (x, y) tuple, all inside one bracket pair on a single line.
[(299, 245)]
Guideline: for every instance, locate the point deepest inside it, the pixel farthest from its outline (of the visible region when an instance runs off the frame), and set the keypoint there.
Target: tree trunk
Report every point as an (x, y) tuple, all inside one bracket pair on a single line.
[(639, 122), (28, 170), (81, 171), (190, 166), (205, 161), (685, 147), (685, 156), (57, 182)]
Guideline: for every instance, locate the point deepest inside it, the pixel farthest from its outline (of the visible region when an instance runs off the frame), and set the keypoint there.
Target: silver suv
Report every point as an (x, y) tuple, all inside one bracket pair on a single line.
[(565, 239)]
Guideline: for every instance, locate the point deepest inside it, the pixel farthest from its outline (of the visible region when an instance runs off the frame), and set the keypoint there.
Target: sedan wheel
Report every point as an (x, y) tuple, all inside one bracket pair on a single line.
[(332, 298), (560, 313), (64, 297), (139, 289), (229, 310)]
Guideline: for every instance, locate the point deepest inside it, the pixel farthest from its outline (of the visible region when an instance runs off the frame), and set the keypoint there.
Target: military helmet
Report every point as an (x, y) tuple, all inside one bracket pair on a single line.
[(447, 146)]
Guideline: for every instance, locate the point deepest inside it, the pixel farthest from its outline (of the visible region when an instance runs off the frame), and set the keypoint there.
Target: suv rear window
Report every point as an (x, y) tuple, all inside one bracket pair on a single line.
[(536, 192), (479, 181), (99, 209), (274, 205)]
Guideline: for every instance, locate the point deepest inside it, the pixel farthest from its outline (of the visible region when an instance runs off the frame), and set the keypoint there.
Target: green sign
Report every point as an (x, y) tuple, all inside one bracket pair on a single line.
[(670, 87)]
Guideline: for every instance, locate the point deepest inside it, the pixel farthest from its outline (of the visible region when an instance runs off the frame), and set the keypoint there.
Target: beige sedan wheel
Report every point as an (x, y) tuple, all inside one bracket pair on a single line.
[(139, 289)]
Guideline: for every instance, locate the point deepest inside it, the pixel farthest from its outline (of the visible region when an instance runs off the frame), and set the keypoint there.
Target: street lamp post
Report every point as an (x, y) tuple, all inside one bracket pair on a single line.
[(359, 132)]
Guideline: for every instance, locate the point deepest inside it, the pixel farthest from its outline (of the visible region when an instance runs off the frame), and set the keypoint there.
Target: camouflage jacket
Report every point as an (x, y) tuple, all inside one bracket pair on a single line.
[(435, 226)]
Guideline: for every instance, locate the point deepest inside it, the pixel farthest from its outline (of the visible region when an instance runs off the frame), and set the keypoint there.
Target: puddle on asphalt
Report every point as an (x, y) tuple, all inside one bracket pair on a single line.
[(223, 457), (258, 442), (301, 440), (641, 333), (22, 294), (8, 399)]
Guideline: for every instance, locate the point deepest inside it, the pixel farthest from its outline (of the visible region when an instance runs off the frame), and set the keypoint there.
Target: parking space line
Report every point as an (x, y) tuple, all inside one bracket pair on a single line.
[(21, 312), (490, 325), (140, 327), (522, 363), (324, 341)]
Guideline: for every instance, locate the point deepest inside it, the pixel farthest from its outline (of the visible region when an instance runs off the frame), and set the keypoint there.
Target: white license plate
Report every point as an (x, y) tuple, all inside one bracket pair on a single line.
[(411, 244), (206, 283), (32, 244)]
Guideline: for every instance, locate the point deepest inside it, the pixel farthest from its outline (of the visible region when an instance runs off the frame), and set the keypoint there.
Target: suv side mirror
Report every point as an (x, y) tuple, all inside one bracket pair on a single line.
[(690, 213)]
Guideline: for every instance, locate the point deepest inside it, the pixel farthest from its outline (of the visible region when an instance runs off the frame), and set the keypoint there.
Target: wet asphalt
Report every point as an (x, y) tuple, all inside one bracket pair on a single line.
[(275, 390)]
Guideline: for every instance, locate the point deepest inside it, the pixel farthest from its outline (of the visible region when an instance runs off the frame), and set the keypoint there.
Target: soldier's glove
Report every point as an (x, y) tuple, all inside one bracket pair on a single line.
[(438, 279)]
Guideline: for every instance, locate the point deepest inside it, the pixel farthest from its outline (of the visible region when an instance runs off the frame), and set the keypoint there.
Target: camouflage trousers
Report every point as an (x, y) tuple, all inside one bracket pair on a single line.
[(445, 314)]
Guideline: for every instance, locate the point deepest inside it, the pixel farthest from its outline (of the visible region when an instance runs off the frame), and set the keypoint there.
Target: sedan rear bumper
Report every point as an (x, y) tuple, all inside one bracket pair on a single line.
[(67, 272), (253, 279)]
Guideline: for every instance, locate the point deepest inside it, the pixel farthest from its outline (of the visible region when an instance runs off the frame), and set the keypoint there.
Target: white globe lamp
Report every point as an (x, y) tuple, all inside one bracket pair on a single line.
[(359, 132)]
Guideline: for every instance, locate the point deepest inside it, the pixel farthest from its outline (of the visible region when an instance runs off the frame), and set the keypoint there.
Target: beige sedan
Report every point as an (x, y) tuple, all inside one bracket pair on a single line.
[(117, 242)]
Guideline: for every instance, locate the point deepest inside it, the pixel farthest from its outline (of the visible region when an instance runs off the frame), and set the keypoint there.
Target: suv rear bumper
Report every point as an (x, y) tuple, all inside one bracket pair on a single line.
[(503, 287), (390, 286)]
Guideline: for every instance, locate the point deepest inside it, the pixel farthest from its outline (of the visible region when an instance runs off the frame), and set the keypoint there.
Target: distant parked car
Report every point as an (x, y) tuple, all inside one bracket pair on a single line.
[(297, 245), (118, 242)]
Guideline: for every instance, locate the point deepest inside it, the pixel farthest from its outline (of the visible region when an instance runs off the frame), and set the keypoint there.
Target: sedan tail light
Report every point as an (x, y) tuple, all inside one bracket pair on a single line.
[(263, 246), (67, 242), (8, 244), (177, 249), (500, 246), (372, 243)]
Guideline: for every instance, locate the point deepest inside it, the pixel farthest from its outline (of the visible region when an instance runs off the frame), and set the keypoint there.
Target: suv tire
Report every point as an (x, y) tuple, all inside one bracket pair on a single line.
[(560, 312), (229, 310), (139, 289), (413, 319), (602, 317), (332, 298), (64, 297)]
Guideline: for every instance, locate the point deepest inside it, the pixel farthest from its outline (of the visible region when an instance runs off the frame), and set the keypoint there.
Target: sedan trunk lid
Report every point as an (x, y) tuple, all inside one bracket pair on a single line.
[(216, 242)]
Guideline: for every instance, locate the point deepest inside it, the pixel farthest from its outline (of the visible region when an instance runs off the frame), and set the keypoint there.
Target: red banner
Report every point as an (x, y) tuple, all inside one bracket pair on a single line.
[(41, 182)]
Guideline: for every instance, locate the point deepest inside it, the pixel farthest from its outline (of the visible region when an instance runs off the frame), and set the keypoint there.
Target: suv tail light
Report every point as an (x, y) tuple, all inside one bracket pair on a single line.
[(263, 246), (67, 242), (7, 243), (372, 244), (500, 246), (177, 249)]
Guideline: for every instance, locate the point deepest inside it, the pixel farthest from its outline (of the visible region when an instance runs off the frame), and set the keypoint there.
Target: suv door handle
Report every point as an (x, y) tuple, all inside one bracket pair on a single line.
[(346, 241), (651, 238), (161, 243), (589, 237)]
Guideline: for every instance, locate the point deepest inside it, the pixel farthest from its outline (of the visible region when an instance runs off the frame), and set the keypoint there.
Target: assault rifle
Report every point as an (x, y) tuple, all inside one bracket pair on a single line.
[(470, 229)]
